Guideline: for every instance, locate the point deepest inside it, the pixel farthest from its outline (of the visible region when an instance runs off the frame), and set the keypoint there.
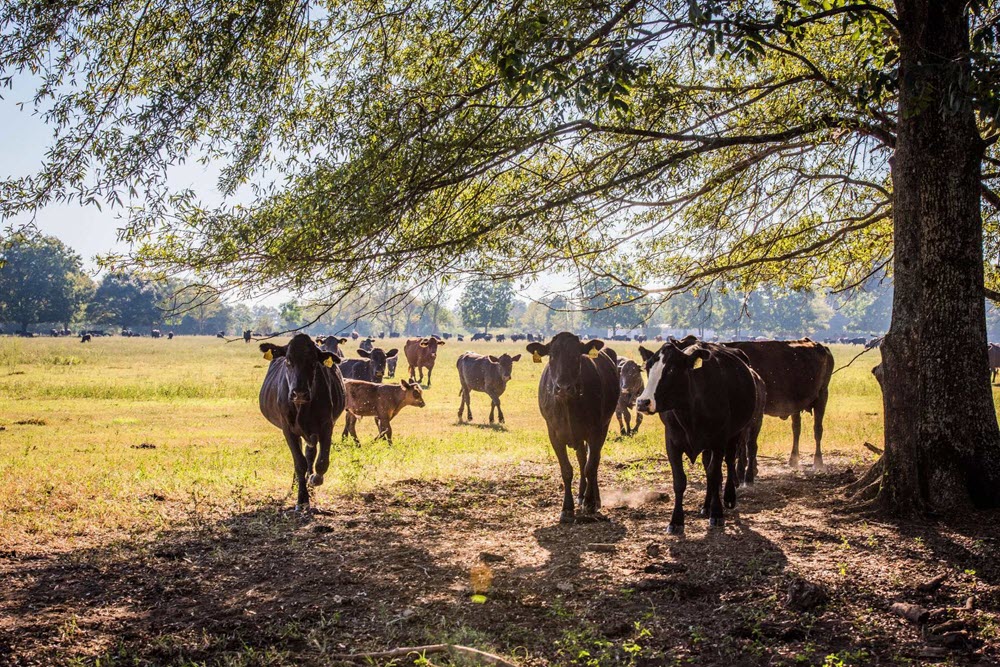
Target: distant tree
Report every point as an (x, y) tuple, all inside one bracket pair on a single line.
[(292, 316), (486, 304), (40, 281), (127, 300), (784, 313), (870, 310), (265, 318), (613, 306)]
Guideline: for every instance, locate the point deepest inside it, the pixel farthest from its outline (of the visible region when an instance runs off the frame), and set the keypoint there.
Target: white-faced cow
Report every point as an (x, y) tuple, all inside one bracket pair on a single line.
[(577, 395), (303, 395), (421, 353), (706, 397), (488, 374), (797, 376), (371, 368)]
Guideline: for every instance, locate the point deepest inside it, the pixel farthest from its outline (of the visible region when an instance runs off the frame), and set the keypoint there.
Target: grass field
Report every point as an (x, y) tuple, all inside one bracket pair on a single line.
[(79, 418), (143, 522)]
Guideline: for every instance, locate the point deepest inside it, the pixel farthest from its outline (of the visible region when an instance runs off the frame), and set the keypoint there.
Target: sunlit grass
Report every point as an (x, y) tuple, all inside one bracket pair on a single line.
[(124, 436)]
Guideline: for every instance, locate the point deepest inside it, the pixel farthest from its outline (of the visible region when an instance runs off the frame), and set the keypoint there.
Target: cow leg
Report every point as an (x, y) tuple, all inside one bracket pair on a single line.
[(493, 407), (729, 498), (638, 421), (468, 403), (385, 427), (581, 459), (706, 464), (464, 394), (714, 488), (429, 371), (621, 424), (295, 445), (796, 431), (676, 458), (310, 456), (500, 417), (628, 422), (566, 468), (818, 411), (323, 462), (592, 498), (352, 424)]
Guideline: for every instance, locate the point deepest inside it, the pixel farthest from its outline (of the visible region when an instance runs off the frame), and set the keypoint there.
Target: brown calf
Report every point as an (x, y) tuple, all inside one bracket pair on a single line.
[(381, 401), (421, 353)]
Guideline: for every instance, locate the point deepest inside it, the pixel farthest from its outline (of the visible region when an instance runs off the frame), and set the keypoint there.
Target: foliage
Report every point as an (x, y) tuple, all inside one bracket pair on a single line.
[(486, 304), (40, 281), (127, 300)]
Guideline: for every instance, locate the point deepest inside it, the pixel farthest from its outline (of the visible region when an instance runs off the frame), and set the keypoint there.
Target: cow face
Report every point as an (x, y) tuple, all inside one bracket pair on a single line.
[(431, 343), (630, 376), (669, 370), (379, 359), (332, 344), (506, 363), (303, 362), (566, 354), (413, 393)]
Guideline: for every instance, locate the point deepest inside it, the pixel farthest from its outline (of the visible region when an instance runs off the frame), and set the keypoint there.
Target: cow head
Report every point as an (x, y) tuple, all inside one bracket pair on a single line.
[(629, 375), (506, 363), (431, 343), (566, 353), (669, 370), (303, 364), (379, 358), (413, 394), (332, 344)]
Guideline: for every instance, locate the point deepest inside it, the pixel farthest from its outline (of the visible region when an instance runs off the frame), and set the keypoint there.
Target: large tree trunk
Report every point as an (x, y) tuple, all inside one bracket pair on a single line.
[(942, 442)]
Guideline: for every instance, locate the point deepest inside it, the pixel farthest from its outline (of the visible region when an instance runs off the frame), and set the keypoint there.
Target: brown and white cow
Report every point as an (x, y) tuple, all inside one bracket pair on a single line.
[(488, 374), (797, 375), (303, 395), (577, 395), (381, 401), (421, 353)]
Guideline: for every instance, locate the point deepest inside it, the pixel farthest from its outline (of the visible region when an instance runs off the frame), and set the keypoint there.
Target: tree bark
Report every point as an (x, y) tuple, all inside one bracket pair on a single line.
[(942, 449)]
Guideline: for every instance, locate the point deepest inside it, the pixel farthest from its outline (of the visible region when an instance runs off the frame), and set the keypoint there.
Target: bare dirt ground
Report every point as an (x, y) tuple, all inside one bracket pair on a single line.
[(792, 579)]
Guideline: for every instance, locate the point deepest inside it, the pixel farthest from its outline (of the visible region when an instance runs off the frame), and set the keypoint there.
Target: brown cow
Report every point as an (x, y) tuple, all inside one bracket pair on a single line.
[(577, 395), (421, 353), (381, 401), (796, 374), (488, 374), (630, 385)]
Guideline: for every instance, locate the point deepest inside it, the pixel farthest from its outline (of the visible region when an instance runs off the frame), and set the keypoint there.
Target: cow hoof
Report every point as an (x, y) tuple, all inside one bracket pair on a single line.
[(675, 529), (302, 507), (730, 504), (716, 522), (748, 483), (818, 463), (793, 462), (567, 517), (703, 511), (316, 479)]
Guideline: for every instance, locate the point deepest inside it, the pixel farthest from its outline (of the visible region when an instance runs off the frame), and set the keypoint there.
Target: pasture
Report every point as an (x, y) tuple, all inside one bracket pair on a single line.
[(143, 520)]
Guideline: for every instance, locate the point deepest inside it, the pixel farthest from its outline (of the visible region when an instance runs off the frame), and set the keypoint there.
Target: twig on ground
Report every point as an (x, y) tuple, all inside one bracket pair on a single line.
[(872, 448)]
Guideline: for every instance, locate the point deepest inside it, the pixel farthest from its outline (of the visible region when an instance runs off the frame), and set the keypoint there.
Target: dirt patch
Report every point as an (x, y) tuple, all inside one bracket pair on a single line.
[(30, 422), (789, 581)]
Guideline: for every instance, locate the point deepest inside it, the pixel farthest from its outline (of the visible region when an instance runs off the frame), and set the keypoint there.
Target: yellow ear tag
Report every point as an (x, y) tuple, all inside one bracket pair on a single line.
[(328, 362), (593, 353), (268, 355), (697, 363), (537, 358)]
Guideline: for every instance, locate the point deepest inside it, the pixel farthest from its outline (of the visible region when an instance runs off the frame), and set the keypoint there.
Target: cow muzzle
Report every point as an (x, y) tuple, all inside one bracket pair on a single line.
[(300, 397), (645, 405)]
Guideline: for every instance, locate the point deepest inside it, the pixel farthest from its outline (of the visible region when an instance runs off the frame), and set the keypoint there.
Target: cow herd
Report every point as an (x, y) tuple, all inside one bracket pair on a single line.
[(710, 397)]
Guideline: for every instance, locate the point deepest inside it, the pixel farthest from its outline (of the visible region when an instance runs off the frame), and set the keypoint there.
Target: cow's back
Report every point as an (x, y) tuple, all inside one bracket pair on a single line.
[(795, 373), (474, 370), (357, 369), (413, 351)]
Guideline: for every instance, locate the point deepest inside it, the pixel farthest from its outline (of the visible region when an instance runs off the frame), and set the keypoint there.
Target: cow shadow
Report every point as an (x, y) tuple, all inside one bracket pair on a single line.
[(500, 428)]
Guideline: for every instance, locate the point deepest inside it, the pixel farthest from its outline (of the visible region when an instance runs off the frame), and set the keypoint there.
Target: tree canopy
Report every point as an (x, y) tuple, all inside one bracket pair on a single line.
[(486, 304), (41, 281)]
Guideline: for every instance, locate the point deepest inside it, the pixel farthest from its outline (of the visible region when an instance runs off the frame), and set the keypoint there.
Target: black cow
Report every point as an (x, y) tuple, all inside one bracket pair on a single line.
[(332, 344), (482, 336), (156, 333), (247, 333), (170, 335), (488, 374), (706, 397), (577, 395), (369, 369), (630, 386), (390, 366), (221, 334), (85, 338), (501, 338), (303, 395), (368, 344)]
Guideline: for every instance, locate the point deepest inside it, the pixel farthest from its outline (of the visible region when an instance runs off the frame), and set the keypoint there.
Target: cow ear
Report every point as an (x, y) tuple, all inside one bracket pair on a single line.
[(538, 350), (364, 353), (698, 355), (271, 350), (645, 354), (404, 384), (516, 357), (391, 353), (342, 340), (493, 359), (328, 358), (424, 343), (440, 342), (591, 348)]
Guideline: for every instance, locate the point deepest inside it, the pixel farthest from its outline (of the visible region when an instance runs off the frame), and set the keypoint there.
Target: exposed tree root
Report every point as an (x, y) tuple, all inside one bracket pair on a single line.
[(430, 649), (873, 476)]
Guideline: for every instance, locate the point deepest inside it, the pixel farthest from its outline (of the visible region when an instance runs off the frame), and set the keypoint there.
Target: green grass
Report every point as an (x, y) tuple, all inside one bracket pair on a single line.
[(82, 474)]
